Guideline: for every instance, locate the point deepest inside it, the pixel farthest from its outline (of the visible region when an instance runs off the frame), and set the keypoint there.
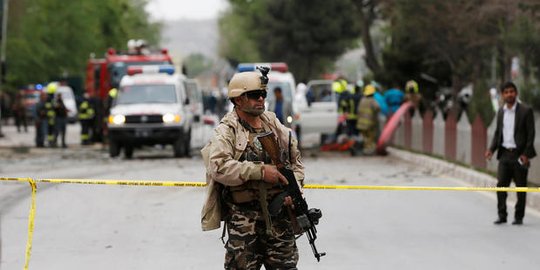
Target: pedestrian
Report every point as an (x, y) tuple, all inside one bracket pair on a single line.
[(86, 117), (41, 120), (368, 120), (514, 142), (19, 112), (394, 98), (348, 107), (280, 106), (241, 178), (60, 120)]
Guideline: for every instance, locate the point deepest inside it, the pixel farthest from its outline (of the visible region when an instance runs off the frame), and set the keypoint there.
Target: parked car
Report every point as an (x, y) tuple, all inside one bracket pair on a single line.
[(321, 113), (30, 99)]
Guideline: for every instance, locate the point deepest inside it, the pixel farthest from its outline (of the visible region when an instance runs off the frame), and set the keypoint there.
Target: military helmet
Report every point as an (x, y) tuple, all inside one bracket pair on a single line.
[(244, 82)]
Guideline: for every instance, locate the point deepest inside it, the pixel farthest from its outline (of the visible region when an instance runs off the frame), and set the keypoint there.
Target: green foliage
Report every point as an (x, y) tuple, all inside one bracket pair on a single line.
[(54, 38), (235, 45), (308, 35), (481, 103), (196, 64)]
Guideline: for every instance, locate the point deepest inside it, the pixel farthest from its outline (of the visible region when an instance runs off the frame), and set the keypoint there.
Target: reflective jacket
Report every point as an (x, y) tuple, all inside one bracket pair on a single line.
[(86, 112), (221, 157)]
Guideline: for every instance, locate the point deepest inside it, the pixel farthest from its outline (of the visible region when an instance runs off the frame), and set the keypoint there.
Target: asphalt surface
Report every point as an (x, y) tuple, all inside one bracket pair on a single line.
[(126, 227)]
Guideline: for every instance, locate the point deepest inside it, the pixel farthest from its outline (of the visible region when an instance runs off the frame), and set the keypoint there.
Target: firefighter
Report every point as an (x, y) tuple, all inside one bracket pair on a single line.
[(347, 105), (368, 111), (412, 94), (86, 116), (51, 114), (110, 99)]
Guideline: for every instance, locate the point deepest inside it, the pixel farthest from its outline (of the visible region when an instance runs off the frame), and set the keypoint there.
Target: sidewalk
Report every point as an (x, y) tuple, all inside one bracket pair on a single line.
[(471, 176), (14, 139)]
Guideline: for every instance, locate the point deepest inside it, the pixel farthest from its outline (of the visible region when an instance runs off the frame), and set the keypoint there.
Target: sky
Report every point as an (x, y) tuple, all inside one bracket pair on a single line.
[(185, 9)]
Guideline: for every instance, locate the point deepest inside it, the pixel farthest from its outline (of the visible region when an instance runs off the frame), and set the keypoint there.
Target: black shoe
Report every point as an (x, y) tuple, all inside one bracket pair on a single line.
[(517, 222), (499, 221)]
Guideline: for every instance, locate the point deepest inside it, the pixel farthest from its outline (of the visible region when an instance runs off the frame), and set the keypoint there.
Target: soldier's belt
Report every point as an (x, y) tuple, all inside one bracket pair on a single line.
[(249, 195)]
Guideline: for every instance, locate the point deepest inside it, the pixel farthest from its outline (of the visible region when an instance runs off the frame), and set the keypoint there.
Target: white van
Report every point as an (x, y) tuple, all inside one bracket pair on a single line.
[(69, 101), (153, 107)]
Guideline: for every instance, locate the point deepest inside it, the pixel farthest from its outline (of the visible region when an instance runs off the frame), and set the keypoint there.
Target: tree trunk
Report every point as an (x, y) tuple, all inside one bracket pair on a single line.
[(366, 17)]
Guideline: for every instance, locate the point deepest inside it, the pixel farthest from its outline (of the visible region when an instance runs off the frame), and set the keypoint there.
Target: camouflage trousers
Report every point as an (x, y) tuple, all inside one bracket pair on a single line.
[(249, 247)]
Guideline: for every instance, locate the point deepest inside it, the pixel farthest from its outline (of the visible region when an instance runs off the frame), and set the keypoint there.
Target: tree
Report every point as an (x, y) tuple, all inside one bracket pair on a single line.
[(51, 38), (196, 64), (308, 35)]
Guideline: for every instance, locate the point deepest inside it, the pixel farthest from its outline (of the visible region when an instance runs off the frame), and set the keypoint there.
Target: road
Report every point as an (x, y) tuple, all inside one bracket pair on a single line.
[(127, 227)]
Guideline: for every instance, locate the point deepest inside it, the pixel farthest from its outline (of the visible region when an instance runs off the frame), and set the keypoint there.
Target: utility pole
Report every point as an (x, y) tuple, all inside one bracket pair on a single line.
[(5, 7)]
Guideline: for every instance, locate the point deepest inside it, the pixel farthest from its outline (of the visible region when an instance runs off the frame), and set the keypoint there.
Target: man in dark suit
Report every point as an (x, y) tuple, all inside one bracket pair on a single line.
[(514, 142)]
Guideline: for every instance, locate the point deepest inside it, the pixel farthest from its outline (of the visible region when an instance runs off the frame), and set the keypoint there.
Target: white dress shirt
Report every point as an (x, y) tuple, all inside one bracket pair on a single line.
[(509, 119)]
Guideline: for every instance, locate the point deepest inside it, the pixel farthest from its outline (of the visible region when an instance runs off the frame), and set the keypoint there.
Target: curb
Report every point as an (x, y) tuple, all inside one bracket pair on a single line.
[(471, 176)]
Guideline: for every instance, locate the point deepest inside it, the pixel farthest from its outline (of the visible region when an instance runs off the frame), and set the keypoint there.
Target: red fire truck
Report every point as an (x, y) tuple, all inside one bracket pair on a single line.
[(103, 74)]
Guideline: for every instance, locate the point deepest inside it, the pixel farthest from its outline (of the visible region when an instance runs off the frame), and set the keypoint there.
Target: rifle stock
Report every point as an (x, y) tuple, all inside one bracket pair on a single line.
[(305, 218)]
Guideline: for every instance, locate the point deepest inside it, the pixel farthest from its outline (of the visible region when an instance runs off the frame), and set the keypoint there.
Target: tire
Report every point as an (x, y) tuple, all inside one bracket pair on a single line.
[(187, 144), (179, 147), (114, 149), (128, 151)]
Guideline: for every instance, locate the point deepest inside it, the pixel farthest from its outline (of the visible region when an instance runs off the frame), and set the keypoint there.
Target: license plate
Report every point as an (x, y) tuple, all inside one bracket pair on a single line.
[(143, 132)]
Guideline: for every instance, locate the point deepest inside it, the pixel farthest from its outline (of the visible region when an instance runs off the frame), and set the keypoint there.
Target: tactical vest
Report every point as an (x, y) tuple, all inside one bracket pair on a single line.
[(255, 191)]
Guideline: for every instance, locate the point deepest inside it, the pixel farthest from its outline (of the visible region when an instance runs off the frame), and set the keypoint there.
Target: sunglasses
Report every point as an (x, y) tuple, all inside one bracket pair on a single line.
[(255, 95)]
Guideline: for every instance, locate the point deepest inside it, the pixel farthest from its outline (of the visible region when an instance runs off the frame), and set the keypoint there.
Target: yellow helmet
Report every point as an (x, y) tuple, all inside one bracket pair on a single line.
[(113, 92), (369, 90), (244, 82), (411, 86), (51, 87)]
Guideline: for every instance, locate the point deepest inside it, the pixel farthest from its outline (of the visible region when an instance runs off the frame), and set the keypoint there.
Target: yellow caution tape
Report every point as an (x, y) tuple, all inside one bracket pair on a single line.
[(33, 185), (31, 216), (353, 187), (124, 182)]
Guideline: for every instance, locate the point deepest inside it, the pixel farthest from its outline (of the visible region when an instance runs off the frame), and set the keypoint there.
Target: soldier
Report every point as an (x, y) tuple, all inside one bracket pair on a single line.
[(242, 179)]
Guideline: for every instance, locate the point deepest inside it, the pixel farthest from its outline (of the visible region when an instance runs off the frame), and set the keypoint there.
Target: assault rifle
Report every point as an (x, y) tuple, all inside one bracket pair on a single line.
[(305, 218)]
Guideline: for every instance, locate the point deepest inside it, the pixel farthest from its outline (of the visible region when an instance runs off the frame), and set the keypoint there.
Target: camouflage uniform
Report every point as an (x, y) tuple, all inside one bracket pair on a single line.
[(234, 160)]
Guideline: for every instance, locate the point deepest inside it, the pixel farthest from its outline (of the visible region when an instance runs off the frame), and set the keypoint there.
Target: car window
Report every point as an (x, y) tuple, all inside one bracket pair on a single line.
[(193, 92), (119, 69), (319, 93), (285, 89), (147, 94)]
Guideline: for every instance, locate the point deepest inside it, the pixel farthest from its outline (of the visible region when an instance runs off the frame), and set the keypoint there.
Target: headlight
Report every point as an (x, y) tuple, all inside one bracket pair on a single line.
[(289, 119), (171, 118), (117, 119)]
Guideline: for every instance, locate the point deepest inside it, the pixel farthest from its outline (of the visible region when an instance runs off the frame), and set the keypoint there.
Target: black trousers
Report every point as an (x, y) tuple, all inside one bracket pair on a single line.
[(509, 169)]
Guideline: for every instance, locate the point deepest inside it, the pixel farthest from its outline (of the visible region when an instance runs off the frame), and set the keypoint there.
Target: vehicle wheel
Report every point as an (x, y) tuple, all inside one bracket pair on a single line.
[(187, 144), (128, 151), (179, 147), (114, 149)]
